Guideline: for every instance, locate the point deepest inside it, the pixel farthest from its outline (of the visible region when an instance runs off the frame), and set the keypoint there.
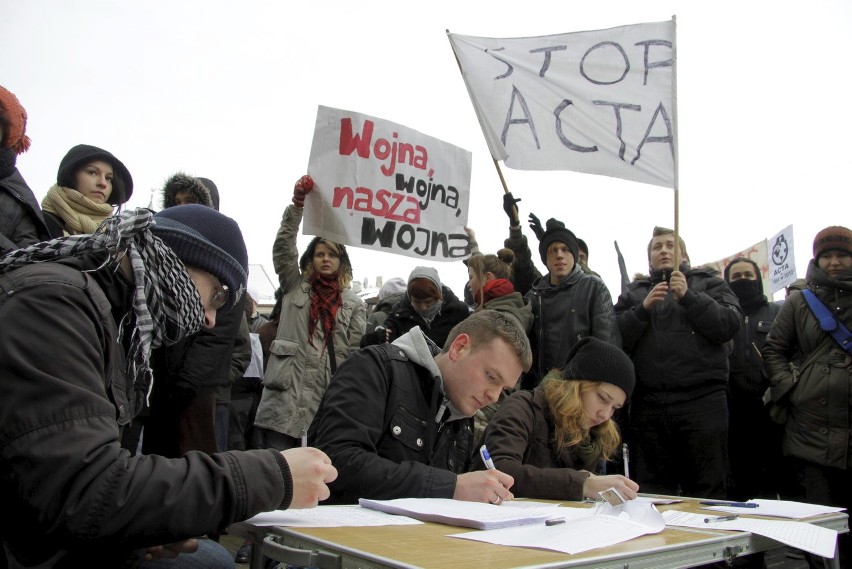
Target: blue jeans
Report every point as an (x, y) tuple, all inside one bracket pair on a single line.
[(210, 555)]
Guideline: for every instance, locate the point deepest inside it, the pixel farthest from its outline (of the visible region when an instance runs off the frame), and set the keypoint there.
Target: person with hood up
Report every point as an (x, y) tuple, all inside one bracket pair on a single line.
[(810, 373), (554, 439), (320, 325), (89, 183), (428, 304), (21, 219), (755, 468), (184, 414), (102, 302), (391, 292)]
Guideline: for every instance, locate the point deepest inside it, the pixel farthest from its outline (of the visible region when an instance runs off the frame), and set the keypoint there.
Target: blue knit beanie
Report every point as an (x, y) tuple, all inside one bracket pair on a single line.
[(208, 240)]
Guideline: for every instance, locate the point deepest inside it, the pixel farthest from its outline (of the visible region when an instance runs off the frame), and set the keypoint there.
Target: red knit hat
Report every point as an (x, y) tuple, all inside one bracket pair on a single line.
[(834, 237), (14, 122)]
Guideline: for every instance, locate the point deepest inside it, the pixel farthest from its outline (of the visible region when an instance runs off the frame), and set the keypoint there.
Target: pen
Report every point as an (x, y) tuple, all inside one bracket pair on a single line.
[(719, 519), (626, 455), (554, 522), (486, 458), (304, 437), (731, 504)]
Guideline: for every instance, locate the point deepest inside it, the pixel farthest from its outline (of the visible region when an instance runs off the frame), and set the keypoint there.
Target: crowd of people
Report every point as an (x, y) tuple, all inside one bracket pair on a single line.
[(147, 404)]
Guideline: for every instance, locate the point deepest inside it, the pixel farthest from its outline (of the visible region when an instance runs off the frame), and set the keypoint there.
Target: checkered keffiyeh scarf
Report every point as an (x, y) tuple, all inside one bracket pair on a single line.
[(325, 300), (166, 303)]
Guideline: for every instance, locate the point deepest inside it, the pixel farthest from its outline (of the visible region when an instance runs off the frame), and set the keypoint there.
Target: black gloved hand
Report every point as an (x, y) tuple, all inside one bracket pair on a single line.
[(510, 208), (535, 225)]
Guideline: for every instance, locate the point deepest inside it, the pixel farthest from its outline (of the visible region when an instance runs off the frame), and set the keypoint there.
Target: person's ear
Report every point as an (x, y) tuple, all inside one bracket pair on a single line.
[(459, 347)]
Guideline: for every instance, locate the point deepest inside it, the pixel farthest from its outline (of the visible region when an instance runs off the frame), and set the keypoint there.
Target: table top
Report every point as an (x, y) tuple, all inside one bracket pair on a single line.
[(426, 545)]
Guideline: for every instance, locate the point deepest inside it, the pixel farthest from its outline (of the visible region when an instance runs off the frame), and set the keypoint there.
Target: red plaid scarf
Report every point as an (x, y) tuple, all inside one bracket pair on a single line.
[(325, 300)]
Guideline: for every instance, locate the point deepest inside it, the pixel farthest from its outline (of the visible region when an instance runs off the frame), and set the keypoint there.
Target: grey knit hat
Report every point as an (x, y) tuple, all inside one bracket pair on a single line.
[(595, 360), (208, 240), (428, 273)]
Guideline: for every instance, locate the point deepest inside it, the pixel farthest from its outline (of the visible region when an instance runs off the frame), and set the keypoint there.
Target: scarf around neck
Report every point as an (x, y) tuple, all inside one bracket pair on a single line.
[(495, 288), (325, 300), (80, 214), (166, 303)]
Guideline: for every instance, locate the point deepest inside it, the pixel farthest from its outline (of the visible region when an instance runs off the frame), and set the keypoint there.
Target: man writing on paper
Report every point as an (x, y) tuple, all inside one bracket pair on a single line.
[(396, 418)]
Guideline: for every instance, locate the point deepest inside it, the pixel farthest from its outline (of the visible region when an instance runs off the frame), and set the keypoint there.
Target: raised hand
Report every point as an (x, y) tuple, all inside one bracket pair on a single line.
[(535, 225), (302, 188), (511, 209)]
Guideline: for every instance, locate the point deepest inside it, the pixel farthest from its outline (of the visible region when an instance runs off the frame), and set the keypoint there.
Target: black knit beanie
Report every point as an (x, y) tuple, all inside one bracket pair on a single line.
[(81, 155), (556, 231), (595, 360), (208, 240)]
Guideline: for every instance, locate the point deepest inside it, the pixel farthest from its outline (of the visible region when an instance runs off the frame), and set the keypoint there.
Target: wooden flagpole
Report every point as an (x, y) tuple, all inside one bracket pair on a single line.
[(674, 145)]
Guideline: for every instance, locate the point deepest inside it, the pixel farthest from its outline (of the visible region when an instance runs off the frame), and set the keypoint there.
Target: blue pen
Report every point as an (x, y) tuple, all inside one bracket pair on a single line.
[(486, 458), (731, 504)]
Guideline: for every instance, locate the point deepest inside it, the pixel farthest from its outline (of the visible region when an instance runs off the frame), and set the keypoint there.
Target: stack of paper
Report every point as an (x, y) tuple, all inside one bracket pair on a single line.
[(465, 514)]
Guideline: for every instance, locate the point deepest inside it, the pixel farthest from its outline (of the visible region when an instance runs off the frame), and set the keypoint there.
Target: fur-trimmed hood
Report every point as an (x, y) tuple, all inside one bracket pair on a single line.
[(181, 182)]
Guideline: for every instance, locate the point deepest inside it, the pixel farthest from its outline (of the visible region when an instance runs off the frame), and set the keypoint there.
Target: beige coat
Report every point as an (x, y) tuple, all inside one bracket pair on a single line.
[(297, 374)]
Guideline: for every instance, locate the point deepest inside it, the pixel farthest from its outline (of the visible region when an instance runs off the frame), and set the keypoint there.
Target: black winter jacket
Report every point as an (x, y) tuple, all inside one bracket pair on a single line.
[(21, 219), (403, 318), (66, 485), (748, 377), (680, 348), (377, 423)]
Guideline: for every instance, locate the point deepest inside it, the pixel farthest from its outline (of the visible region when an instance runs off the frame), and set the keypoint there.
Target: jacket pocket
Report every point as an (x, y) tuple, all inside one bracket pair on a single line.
[(409, 430), (283, 364)]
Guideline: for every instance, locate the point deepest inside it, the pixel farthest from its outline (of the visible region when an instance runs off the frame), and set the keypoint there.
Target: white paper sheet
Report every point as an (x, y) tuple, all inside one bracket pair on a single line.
[(802, 535), (460, 513), (779, 509), (330, 517), (581, 531)]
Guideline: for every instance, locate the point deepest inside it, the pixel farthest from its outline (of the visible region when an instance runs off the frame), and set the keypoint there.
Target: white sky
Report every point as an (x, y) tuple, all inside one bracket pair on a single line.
[(229, 90)]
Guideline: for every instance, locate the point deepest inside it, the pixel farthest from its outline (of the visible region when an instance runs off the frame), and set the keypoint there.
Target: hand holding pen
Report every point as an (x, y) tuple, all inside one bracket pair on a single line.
[(489, 485)]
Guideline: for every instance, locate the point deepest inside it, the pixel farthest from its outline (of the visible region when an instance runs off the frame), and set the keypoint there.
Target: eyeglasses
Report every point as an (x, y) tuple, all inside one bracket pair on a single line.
[(220, 297)]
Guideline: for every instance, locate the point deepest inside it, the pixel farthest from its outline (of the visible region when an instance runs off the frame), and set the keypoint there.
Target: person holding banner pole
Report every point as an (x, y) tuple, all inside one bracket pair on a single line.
[(321, 324), (676, 326)]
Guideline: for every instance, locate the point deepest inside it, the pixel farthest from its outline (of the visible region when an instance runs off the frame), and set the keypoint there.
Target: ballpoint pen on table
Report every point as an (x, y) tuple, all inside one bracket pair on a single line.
[(486, 458), (719, 519), (729, 504)]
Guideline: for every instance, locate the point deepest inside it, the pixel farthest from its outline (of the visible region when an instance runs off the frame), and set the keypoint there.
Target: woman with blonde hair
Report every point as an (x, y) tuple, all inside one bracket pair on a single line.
[(89, 183), (554, 439), (321, 323)]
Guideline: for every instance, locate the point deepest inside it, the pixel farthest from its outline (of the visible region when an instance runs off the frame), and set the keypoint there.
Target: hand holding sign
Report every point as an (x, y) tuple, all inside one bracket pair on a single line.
[(303, 187)]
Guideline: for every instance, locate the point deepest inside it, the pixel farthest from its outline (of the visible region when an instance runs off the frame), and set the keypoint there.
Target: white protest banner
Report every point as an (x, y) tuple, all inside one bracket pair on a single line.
[(381, 185), (599, 102), (782, 263), (756, 253)]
